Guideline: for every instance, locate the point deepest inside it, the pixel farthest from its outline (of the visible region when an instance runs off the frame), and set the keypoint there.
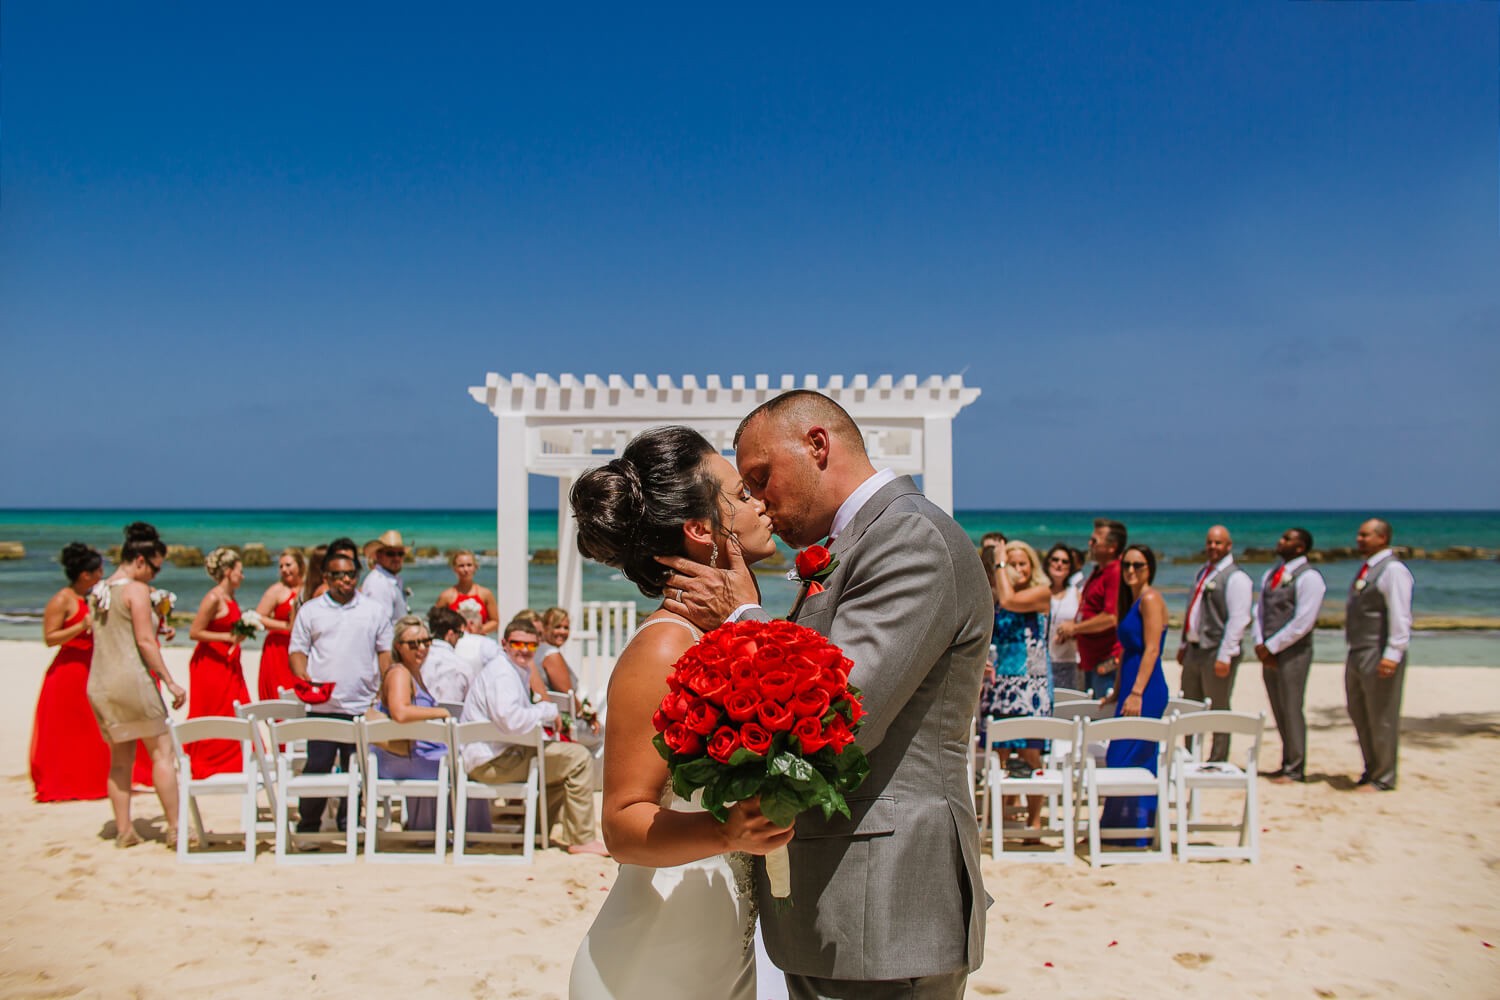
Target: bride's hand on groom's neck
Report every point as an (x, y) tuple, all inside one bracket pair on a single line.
[(705, 595)]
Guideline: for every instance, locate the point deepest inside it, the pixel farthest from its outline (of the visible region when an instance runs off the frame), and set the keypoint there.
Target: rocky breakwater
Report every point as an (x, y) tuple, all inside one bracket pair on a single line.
[(12, 550)]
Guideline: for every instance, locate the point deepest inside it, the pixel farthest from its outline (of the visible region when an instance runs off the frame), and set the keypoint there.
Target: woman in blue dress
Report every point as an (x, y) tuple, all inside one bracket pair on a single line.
[(1021, 686), (1141, 690)]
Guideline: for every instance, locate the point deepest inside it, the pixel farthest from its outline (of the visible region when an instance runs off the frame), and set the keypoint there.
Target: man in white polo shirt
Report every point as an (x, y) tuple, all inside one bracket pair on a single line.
[(500, 695), (342, 637), (384, 585)]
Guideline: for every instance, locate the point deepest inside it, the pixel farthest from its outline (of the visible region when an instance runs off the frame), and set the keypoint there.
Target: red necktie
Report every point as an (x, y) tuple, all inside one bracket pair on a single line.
[(1276, 577), (1362, 571), (1202, 579)]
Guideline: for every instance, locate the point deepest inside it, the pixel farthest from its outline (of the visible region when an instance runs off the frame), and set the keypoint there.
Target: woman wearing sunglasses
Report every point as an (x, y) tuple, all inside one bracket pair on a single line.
[(1060, 567), (1140, 688)]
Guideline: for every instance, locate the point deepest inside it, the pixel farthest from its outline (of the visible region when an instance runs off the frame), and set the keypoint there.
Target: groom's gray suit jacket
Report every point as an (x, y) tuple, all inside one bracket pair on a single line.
[(896, 892)]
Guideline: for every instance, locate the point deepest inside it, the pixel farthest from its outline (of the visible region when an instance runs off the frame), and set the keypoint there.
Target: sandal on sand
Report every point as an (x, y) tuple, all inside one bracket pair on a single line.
[(171, 839), (127, 839)]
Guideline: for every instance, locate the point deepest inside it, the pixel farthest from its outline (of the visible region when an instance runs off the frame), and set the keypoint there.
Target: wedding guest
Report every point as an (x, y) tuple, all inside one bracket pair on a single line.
[(314, 586), (1218, 613), (384, 585), (123, 678), (406, 695), (1098, 612), (473, 647), (992, 550), (1079, 558), (275, 609), (1142, 689), (346, 545), (216, 680), (1063, 653), (499, 694), (1020, 687), (465, 591), (447, 674), (552, 667), (344, 638), (1291, 593), (69, 759), (1377, 627)]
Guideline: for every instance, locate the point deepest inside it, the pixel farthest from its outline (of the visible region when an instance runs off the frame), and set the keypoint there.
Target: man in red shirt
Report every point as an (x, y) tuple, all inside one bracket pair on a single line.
[(1098, 609)]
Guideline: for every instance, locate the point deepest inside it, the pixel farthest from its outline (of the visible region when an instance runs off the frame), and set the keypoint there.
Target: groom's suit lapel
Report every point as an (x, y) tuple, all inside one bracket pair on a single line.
[(885, 496)]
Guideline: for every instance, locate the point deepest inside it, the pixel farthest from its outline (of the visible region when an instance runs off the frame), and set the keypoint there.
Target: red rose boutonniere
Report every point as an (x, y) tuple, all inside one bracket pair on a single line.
[(813, 565)]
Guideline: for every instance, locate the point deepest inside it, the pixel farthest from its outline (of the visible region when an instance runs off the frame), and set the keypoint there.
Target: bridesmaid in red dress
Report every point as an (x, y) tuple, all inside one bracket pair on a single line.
[(69, 759), (216, 680), (276, 608), (466, 591)]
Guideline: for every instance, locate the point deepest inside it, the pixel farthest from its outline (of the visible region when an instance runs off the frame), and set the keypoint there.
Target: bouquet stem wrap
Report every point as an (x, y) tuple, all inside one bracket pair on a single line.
[(779, 873)]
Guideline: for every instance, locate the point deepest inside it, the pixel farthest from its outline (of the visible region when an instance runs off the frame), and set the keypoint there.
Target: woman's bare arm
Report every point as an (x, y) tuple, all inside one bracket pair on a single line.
[(55, 613), (398, 695)]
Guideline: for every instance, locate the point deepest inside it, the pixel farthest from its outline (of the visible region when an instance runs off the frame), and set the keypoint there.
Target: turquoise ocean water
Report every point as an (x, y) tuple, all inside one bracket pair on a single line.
[(1450, 589)]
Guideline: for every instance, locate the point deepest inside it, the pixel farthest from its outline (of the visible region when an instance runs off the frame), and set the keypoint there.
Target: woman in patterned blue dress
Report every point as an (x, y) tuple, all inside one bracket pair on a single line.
[(1021, 685), (1141, 689)]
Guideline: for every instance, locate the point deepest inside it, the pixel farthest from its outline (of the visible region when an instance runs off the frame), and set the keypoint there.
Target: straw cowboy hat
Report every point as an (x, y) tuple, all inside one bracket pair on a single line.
[(392, 540)]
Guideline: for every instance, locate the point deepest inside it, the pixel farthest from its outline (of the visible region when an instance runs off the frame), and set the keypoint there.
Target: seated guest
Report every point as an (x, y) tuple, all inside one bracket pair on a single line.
[(555, 672), (448, 674), (405, 696), (499, 695), (465, 591), (474, 647)]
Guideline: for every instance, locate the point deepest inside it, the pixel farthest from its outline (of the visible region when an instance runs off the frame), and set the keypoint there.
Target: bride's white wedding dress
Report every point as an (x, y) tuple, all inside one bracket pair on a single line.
[(665, 933)]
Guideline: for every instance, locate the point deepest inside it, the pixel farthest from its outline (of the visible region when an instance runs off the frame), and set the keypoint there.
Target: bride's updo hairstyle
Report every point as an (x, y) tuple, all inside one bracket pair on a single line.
[(141, 540), (633, 509)]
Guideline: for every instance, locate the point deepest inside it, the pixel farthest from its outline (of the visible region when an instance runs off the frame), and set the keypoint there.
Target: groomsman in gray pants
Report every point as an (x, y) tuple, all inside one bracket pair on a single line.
[(1377, 626), (1217, 616), (1290, 595)]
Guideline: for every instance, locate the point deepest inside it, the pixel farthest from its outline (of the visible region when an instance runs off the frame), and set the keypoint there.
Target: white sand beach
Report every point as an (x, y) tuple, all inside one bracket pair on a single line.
[(1355, 896)]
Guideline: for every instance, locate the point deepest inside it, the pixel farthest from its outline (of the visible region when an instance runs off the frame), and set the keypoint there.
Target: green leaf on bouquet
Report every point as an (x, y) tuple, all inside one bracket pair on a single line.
[(699, 772), (743, 785), (779, 803), (793, 768), (853, 768), (683, 787), (742, 755), (662, 748)]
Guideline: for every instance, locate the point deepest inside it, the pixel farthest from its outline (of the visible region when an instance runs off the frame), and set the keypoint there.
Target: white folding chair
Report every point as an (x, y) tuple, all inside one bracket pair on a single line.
[(531, 791), (1055, 781), (297, 786), (298, 750), (1087, 708), (1101, 781), (379, 791), (244, 783), (261, 714), (1069, 694), (1191, 776), (454, 708)]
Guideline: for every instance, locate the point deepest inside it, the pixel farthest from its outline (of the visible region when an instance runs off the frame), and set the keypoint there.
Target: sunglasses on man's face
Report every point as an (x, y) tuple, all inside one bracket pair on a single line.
[(517, 644), (340, 574)]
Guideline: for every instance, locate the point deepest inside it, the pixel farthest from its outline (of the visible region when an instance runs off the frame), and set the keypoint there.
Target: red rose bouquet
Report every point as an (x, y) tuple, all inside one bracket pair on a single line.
[(763, 708)]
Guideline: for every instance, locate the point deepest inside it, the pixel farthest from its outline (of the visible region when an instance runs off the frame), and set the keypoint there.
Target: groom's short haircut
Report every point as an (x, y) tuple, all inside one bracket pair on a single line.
[(802, 407)]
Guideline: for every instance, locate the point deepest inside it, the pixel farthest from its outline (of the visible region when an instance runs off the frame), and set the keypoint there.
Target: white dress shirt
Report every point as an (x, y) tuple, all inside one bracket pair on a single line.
[(1238, 592), (1064, 609), (1396, 584), (386, 589), (841, 517), (500, 695), (1311, 588), (342, 643), (446, 674), (476, 651)]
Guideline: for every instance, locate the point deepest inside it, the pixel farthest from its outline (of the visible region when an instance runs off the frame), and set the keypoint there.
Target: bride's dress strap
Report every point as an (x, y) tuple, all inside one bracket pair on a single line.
[(671, 621)]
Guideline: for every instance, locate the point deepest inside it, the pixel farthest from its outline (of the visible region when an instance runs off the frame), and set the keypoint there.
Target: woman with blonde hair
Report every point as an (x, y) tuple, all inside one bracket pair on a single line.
[(465, 591), (1020, 686), (276, 609), (555, 672), (215, 679)]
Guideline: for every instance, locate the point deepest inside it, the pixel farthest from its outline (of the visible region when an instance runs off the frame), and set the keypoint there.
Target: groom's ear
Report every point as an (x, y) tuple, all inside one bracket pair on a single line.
[(817, 445)]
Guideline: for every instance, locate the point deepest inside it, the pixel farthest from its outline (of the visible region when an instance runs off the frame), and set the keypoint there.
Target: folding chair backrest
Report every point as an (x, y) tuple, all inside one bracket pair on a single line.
[(382, 730), (480, 731), (1184, 706), (1069, 694), (1128, 728), (212, 727), (313, 727), (1196, 723), (1081, 709), (275, 708), (997, 730)]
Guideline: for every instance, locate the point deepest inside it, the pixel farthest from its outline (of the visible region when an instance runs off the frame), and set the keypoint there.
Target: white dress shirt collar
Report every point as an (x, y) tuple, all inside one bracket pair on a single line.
[(862, 493), (1294, 565), (1378, 557)]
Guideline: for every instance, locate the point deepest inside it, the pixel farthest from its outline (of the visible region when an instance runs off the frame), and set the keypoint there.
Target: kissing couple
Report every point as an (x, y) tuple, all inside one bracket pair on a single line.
[(886, 903)]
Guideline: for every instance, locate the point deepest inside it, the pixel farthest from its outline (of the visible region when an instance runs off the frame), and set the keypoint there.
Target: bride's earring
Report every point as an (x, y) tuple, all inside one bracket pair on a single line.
[(713, 554)]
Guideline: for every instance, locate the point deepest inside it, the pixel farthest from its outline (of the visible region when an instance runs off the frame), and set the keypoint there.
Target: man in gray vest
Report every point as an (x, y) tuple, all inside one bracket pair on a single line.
[(1290, 595), (1217, 616), (1377, 626)]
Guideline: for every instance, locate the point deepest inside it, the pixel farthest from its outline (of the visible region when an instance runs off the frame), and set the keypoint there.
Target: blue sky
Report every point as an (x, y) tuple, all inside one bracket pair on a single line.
[(1197, 255)]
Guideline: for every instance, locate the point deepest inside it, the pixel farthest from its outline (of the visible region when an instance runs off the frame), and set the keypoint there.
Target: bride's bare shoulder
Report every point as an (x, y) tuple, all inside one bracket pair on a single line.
[(657, 645)]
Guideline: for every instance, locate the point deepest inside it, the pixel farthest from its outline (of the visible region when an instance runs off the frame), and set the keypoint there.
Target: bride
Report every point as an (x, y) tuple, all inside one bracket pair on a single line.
[(680, 919)]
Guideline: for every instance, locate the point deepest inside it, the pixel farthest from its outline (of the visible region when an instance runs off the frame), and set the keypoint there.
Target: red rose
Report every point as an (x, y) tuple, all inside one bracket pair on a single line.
[(834, 682), (809, 733), (743, 646), (802, 668), (755, 739), (743, 675), (709, 683), (741, 705), (813, 560), (675, 705), (778, 684), (723, 744), (768, 657), (856, 710), (702, 718), (811, 700), (711, 656), (774, 716), (659, 721), (681, 739), (838, 734)]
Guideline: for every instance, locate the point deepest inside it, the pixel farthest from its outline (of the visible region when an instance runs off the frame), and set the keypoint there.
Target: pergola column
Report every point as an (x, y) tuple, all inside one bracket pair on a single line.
[(937, 461), (511, 515), (569, 560)]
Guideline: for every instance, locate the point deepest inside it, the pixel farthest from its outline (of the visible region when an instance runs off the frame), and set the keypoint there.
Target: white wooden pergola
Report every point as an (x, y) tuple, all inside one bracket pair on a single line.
[(563, 426)]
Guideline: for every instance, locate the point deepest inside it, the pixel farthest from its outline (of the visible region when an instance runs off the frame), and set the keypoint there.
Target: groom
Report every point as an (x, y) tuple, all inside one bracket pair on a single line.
[(889, 903)]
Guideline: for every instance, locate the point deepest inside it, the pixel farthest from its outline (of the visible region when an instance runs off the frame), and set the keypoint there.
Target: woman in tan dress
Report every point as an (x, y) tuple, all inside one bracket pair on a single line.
[(123, 680)]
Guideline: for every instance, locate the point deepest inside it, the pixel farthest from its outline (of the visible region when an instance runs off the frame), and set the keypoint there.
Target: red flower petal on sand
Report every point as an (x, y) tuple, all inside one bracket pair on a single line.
[(1486, 944), (1047, 904), (1046, 965), (1111, 944)]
